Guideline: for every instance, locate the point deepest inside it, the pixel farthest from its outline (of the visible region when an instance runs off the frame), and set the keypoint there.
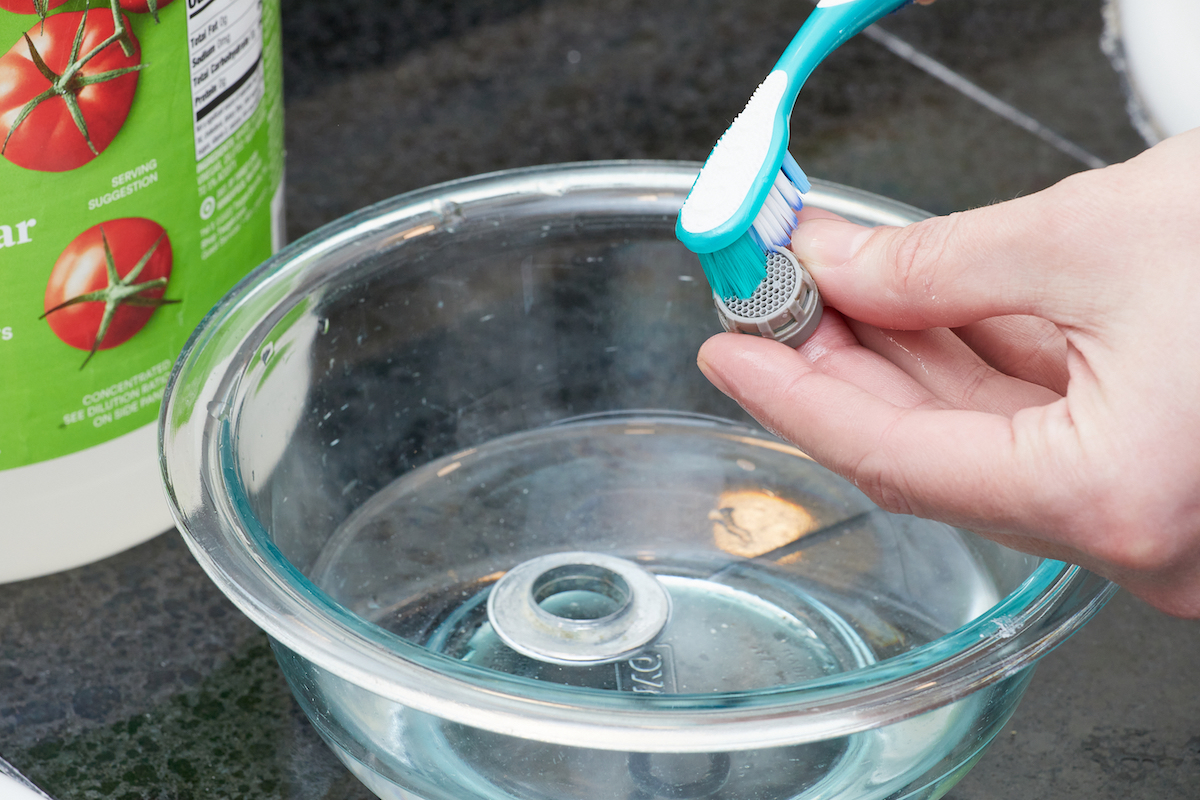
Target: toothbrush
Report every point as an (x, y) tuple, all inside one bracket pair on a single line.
[(744, 201)]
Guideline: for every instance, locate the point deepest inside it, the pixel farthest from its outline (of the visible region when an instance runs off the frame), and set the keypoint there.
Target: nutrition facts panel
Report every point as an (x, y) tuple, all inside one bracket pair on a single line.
[(225, 47)]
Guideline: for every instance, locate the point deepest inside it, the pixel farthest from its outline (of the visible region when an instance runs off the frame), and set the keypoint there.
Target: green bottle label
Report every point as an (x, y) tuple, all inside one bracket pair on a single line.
[(141, 177)]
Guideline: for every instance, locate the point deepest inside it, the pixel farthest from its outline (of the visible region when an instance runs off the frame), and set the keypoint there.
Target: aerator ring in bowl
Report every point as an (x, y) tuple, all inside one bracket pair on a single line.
[(604, 609)]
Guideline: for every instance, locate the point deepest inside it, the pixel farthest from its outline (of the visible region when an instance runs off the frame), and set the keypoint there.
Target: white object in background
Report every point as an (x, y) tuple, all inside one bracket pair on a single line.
[(12, 789), (15, 786), (81, 507), (1155, 45)]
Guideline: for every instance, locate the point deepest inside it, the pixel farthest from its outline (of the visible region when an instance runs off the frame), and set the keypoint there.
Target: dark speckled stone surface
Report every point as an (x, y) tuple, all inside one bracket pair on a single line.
[(135, 678)]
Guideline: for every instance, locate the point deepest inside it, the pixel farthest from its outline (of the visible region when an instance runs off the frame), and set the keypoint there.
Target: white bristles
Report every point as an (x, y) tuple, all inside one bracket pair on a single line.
[(791, 195), (777, 218)]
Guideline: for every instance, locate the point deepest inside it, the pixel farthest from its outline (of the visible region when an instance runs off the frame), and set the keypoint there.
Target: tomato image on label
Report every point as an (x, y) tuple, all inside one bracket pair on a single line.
[(66, 88), (106, 284), (43, 7)]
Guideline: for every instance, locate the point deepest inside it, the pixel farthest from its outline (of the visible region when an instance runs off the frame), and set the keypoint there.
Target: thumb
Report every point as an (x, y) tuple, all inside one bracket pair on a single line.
[(1010, 258)]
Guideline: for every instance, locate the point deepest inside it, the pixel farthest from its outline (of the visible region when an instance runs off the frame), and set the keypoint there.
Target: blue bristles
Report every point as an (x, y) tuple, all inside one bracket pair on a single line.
[(736, 270)]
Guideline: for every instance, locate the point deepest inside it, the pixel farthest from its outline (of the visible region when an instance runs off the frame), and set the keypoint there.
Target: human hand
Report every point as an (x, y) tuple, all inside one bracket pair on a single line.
[(1028, 370)]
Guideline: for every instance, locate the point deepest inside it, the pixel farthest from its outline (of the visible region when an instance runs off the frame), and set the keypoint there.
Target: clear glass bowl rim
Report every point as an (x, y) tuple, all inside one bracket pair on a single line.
[(210, 507)]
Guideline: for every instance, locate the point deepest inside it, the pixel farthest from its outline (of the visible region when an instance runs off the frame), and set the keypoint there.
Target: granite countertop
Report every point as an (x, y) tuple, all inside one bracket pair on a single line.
[(135, 678)]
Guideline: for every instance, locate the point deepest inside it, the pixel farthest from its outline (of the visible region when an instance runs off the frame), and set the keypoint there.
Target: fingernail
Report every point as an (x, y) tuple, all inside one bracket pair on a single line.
[(713, 376), (828, 242)]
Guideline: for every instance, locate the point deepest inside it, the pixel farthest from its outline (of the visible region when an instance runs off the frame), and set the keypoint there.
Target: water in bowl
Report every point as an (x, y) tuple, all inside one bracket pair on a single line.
[(778, 573)]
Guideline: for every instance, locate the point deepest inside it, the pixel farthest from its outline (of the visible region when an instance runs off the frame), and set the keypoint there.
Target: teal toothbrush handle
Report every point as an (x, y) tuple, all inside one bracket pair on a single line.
[(831, 23)]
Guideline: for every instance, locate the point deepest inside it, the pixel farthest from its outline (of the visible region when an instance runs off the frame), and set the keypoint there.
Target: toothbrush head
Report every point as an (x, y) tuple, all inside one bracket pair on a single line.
[(744, 200), (729, 189)]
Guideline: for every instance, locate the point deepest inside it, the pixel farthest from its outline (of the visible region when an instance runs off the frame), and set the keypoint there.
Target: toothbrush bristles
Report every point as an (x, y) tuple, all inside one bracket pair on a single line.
[(737, 270)]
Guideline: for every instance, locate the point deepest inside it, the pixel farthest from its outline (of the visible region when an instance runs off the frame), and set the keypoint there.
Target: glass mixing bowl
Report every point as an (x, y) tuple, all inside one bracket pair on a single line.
[(453, 454)]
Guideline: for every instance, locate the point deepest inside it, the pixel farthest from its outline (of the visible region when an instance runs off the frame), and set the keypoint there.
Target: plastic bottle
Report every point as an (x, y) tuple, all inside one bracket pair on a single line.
[(1160, 58), (151, 198)]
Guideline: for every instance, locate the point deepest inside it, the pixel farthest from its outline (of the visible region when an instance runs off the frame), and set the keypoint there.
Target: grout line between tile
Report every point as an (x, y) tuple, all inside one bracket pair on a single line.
[(954, 80)]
